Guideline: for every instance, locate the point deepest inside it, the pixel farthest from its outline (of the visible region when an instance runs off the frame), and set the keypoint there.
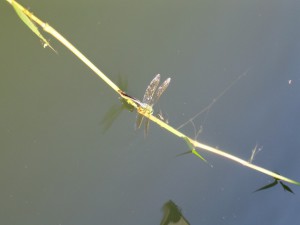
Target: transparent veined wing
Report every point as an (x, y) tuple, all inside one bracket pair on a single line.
[(160, 90), (139, 120), (149, 93), (151, 96)]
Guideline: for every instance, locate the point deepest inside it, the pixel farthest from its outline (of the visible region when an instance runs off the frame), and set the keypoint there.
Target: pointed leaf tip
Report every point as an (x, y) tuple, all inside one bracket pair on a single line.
[(267, 186), (31, 25), (286, 188)]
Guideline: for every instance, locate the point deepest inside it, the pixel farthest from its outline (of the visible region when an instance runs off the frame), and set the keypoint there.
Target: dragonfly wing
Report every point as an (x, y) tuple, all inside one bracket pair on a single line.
[(151, 89), (161, 90), (149, 99), (146, 126), (139, 120)]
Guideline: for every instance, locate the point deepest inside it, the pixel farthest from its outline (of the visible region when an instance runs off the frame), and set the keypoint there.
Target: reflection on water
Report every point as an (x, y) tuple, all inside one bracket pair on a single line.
[(172, 215)]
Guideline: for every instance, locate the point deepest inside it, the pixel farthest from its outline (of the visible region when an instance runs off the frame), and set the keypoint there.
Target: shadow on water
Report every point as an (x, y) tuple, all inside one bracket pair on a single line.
[(112, 114), (173, 215)]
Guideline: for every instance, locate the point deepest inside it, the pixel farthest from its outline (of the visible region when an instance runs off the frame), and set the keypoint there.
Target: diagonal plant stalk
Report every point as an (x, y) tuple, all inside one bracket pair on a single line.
[(22, 12)]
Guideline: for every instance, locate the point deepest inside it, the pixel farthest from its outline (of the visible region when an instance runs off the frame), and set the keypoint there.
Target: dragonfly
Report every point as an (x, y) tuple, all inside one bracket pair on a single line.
[(151, 97)]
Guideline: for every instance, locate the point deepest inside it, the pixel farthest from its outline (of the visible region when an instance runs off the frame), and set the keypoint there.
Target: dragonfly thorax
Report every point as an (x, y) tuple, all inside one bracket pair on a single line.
[(152, 94), (145, 108)]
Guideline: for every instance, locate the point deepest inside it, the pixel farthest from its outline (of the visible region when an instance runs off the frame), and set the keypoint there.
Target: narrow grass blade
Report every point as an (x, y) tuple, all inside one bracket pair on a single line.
[(267, 186), (31, 25), (193, 150), (198, 155), (286, 188)]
